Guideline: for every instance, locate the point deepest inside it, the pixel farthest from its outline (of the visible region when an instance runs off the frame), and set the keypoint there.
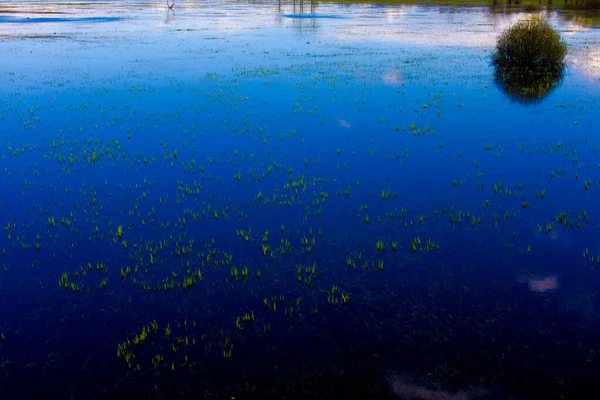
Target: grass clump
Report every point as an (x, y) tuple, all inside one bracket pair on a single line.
[(530, 46), (529, 60)]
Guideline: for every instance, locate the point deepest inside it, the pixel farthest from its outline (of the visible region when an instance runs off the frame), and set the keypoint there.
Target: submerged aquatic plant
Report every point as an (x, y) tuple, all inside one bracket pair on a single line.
[(529, 60)]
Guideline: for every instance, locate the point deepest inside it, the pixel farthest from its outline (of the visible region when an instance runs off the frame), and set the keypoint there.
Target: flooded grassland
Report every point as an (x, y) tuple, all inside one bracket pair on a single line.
[(289, 200)]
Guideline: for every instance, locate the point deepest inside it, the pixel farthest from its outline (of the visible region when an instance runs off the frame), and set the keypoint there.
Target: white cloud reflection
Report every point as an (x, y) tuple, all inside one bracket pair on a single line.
[(393, 78), (261, 27)]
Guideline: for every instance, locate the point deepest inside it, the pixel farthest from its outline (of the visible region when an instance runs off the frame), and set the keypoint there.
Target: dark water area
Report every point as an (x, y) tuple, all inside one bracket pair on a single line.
[(293, 201)]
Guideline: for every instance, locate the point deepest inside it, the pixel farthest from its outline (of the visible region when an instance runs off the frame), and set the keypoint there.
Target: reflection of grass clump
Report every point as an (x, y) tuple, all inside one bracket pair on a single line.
[(529, 60), (527, 89)]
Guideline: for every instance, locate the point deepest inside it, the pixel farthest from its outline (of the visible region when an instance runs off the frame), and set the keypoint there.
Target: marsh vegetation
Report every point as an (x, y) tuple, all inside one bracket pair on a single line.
[(529, 59), (263, 202)]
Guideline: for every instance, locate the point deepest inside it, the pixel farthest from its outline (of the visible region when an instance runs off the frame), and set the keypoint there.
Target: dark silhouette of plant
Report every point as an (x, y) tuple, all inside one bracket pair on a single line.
[(529, 60), (527, 89), (531, 45)]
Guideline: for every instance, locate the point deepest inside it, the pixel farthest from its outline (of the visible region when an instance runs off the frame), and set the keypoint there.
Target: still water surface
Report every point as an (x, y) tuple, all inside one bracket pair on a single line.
[(304, 201)]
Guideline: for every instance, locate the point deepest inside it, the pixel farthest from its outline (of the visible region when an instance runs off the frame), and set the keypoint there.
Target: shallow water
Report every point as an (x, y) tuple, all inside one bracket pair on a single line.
[(286, 200)]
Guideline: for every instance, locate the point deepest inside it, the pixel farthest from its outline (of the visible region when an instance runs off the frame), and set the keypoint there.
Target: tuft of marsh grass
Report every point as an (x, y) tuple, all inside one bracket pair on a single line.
[(530, 46), (529, 60)]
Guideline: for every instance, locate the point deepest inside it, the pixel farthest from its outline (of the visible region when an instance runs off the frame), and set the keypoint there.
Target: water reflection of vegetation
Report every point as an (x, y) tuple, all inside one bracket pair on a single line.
[(529, 60), (526, 88), (584, 18), (224, 240), (574, 4)]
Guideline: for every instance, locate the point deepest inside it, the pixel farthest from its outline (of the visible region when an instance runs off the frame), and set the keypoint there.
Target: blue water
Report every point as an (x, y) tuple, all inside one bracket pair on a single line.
[(223, 201)]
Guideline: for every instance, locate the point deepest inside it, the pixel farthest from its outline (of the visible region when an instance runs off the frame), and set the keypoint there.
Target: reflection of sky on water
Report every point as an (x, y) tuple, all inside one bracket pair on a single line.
[(543, 284), (443, 52), (245, 33), (412, 387)]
